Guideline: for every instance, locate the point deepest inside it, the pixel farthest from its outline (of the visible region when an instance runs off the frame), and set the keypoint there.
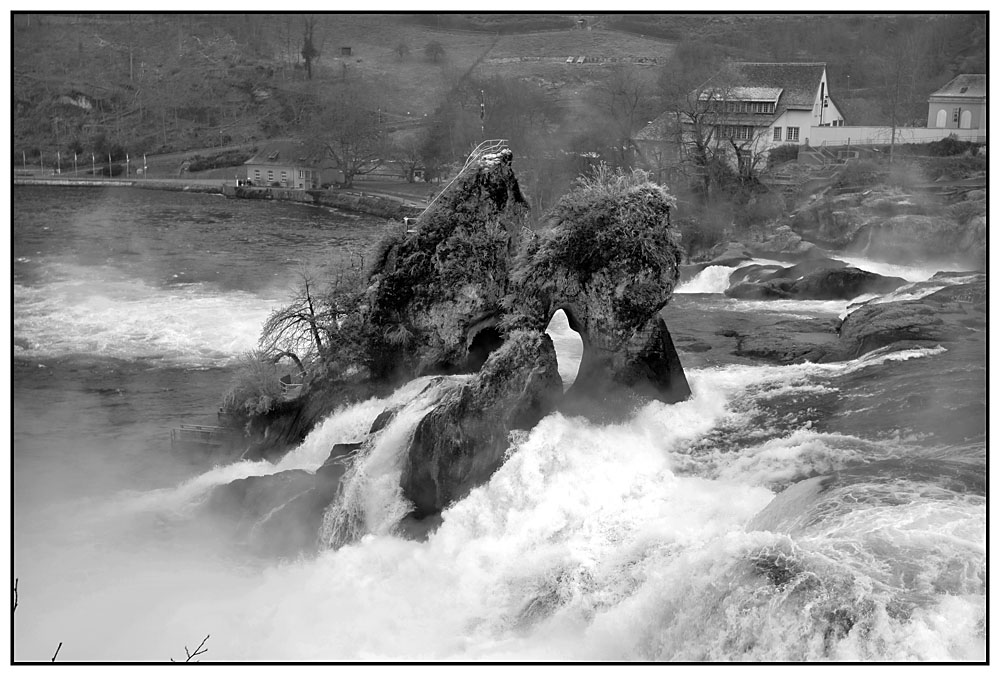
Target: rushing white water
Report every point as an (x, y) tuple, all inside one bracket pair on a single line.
[(715, 278), (591, 543), (919, 272), (102, 312), (702, 530)]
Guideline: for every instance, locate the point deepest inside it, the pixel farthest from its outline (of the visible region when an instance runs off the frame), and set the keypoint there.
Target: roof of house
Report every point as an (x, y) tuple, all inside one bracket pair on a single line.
[(738, 93), (662, 128), (969, 85), (798, 82), (284, 154)]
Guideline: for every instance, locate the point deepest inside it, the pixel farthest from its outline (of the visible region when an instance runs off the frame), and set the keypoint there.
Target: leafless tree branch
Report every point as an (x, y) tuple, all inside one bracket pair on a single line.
[(200, 650)]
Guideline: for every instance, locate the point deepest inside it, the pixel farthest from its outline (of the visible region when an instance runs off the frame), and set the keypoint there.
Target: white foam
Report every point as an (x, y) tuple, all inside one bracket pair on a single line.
[(104, 313), (592, 542), (911, 272)]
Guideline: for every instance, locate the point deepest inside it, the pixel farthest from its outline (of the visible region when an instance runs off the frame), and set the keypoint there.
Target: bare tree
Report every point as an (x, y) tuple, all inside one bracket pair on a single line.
[(621, 97), (407, 152), (347, 129), (402, 50), (434, 51), (200, 650), (310, 52), (305, 319)]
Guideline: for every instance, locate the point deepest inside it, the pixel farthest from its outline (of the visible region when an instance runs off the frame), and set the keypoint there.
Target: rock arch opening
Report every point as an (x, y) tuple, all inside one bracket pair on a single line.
[(568, 345), (483, 343)]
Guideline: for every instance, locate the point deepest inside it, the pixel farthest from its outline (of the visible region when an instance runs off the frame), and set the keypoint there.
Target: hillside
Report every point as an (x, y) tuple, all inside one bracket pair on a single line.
[(165, 83)]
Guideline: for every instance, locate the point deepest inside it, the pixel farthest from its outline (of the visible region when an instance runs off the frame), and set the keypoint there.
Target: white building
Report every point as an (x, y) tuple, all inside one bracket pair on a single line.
[(772, 103), (748, 108)]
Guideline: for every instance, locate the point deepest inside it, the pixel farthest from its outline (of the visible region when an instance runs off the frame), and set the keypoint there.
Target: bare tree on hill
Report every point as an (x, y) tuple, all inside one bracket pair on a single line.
[(310, 51)]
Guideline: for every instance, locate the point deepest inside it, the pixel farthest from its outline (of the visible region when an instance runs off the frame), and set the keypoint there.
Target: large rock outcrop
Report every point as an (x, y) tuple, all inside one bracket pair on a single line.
[(434, 298), (953, 313), (471, 290), (610, 262), (461, 442)]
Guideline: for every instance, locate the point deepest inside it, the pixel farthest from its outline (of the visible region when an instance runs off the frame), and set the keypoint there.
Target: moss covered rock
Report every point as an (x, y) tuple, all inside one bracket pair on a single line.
[(610, 261), (433, 290)]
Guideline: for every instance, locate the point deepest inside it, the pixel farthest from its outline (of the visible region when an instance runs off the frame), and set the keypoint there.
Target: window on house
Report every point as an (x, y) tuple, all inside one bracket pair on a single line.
[(270, 175), (284, 176), (777, 133), (300, 174), (256, 174), (793, 134)]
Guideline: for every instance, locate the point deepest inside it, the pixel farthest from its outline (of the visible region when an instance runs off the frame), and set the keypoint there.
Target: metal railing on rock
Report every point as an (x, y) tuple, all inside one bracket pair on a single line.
[(488, 147)]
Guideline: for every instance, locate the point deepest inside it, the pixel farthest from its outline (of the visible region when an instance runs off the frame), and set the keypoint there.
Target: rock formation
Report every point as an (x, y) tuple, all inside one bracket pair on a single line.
[(471, 290), (610, 262), (822, 279), (434, 298), (461, 441)]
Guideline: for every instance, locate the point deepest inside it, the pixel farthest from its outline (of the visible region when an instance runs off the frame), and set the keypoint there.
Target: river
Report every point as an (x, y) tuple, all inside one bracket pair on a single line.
[(659, 538)]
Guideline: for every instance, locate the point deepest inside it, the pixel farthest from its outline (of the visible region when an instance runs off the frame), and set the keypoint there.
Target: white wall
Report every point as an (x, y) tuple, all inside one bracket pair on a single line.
[(883, 135)]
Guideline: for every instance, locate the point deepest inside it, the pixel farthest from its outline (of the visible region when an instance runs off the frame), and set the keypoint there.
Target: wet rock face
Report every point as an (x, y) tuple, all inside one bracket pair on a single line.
[(909, 238), (280, 514), (442, 298), (949, 314), (814, 280), (435, 290), (461, 442)]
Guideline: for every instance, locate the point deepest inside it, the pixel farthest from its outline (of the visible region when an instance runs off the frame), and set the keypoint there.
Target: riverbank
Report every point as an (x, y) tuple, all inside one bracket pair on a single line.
[(384, 206)]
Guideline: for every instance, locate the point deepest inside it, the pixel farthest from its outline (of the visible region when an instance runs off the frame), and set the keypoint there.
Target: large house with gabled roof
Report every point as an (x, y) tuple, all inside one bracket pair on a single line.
[(750, 106), (780, 102)]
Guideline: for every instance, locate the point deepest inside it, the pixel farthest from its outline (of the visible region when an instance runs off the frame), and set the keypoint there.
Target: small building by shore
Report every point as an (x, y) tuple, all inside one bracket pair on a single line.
[(284, 164)]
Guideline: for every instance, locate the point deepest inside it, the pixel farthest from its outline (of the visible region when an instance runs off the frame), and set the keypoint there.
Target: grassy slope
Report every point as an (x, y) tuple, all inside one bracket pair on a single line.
[(175, 57)]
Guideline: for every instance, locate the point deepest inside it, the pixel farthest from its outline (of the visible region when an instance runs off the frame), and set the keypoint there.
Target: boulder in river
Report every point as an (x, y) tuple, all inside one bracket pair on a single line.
[(461, 442)]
